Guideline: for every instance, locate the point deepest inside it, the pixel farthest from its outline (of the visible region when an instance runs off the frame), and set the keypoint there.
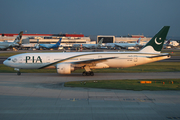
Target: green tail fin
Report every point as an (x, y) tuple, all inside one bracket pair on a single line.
[(156, 43)]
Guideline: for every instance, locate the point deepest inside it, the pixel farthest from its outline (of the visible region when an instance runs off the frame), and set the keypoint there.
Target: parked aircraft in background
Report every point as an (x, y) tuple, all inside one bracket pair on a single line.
[(76, 45), (16, 43), (49, 46), (171, 44), (124, 45), (65, 63), (89, 46)]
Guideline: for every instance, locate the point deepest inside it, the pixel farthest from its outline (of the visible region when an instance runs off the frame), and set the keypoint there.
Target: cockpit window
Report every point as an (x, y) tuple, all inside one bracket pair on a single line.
[(9, 59)]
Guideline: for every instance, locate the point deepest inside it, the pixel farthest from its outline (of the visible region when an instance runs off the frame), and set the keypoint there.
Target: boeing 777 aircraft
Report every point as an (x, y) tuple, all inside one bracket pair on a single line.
[(49, 46), (6, 45), (65, 63)]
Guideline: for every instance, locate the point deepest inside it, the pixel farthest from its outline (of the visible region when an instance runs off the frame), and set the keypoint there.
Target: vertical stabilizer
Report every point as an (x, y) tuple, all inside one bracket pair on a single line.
[(59, 42), (18, 38), (168, 42), (138, 41), (156, 43), (100, 42)]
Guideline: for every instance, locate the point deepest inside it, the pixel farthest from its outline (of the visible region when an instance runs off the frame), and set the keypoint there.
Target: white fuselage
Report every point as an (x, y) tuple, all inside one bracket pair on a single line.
[(122, 45), (5, 45), (174, 43), (125, 45), (50, 60), (91, 45)]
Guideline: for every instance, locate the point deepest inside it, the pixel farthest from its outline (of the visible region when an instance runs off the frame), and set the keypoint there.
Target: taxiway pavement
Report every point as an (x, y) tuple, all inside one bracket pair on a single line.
[(43, 96)]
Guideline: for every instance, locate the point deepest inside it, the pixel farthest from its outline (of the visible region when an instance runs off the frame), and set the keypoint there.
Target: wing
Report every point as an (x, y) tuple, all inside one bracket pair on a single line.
[(91, 62)]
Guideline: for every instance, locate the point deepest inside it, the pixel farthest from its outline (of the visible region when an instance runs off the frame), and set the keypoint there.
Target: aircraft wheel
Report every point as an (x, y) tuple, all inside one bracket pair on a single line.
[(87, 73), (92, 73), (84, 73), (18, 73)]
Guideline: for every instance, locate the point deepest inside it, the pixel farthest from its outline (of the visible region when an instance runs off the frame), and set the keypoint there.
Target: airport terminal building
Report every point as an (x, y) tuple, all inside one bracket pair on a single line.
[(114, 39), (69, 39)]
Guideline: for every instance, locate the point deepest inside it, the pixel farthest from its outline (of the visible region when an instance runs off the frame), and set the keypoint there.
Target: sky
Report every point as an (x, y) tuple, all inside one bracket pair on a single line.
[(90, 17)]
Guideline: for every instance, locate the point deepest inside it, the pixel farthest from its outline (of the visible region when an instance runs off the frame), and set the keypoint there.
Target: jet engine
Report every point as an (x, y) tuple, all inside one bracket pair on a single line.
[(64, 68)]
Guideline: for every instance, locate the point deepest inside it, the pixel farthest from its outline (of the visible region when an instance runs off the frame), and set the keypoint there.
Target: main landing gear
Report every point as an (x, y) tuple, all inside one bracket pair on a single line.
[(18, 72), (87, 71), (90, 73)]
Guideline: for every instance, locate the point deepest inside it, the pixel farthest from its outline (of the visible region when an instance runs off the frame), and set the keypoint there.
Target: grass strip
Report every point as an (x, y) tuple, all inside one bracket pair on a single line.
[(5, 69), (8, 54), (157, 84)]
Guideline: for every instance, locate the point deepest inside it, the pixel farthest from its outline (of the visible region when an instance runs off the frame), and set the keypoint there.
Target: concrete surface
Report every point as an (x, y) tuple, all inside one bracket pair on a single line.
[(42, 96)]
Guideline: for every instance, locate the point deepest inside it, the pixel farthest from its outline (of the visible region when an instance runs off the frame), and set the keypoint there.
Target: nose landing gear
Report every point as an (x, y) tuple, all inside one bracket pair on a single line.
[(18, 72)]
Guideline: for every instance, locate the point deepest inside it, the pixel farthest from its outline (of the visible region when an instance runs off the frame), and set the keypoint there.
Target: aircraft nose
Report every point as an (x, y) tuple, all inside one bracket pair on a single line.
[(5, 63)]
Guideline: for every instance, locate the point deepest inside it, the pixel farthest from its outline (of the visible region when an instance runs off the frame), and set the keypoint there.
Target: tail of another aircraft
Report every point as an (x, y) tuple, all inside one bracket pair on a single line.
[(138, 41), (168, 42), (18, 38), (156, 43), (100, 42), (59, 42)]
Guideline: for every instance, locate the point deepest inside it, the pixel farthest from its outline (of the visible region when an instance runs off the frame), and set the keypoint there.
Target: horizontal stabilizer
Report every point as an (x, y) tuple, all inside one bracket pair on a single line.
[(160, 55)]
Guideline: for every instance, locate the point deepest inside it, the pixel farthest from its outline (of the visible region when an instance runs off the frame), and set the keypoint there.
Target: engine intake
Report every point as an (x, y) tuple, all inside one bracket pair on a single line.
[(64, 68)]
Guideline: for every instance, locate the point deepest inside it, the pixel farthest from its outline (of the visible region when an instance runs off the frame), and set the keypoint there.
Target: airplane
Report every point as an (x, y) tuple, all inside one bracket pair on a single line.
[(90, 46), (124, 45), (16, 42), (172, 43), (49, 46), (65, 62)]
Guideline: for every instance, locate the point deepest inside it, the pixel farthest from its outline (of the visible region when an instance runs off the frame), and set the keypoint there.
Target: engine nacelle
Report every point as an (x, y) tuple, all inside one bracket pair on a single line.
[(64, 68)]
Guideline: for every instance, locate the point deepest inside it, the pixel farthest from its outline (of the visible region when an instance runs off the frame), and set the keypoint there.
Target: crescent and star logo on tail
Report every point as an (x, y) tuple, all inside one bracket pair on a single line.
[(157, 42)]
